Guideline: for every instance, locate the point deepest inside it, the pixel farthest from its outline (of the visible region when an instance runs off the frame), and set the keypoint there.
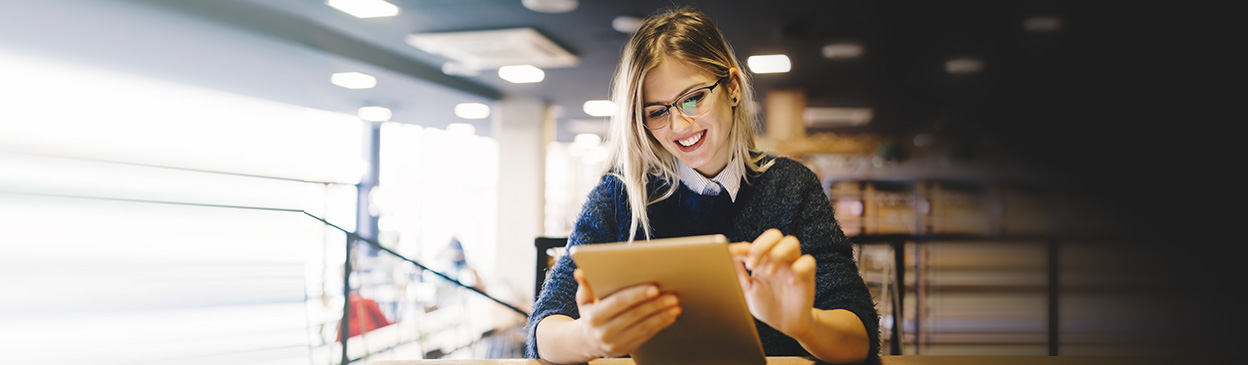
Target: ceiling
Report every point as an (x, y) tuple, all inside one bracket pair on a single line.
[(293, 46)]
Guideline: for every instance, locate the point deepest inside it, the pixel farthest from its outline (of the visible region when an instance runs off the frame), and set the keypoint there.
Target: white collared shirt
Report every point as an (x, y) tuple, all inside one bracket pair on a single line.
[(729, 179)]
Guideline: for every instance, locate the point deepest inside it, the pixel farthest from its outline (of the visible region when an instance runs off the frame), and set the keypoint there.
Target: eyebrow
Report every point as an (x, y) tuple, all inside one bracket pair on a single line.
[(682, 93)]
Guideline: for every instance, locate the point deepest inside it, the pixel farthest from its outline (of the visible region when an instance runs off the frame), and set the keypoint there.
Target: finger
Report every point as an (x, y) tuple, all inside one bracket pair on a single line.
[(761, 246), (618, 332), (584, 294), (644, 330), (616, 303), (761, 269), (641, 312), (783, 254), (803, 269), (739, 249), (743, 277)]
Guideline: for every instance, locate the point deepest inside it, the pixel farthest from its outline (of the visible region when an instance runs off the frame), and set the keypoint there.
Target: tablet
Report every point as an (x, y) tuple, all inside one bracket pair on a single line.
[(715, 325)]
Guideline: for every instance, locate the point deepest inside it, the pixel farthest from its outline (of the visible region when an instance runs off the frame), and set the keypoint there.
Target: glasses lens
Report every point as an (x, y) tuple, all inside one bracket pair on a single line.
[(696, 103), (656, 116)]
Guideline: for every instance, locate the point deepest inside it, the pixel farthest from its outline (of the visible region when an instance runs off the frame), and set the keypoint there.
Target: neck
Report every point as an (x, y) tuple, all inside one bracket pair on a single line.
[(711, 173), (718, 165)]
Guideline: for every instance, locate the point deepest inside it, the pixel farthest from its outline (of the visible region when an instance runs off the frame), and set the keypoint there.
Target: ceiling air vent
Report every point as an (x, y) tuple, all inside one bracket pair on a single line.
[(490, 49)]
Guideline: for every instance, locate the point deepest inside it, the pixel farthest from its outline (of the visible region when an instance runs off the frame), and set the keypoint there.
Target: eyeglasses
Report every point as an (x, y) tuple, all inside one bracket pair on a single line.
[(693, 104)]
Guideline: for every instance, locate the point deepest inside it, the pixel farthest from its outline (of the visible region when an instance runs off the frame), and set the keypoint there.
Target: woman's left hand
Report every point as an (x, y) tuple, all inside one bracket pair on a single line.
[(780, 285)]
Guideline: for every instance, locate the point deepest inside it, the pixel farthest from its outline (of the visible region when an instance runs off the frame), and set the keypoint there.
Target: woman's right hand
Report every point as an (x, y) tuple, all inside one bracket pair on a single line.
[(619, 323)]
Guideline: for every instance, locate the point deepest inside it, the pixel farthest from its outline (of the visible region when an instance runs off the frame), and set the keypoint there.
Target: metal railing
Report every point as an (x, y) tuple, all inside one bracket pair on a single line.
[(352, 239)]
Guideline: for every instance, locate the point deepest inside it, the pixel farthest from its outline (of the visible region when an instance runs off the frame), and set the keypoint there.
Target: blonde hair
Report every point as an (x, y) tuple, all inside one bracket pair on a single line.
[(634, 155)]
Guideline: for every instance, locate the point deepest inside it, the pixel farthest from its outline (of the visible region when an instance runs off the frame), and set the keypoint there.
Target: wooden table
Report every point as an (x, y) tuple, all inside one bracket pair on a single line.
[(885, 360)]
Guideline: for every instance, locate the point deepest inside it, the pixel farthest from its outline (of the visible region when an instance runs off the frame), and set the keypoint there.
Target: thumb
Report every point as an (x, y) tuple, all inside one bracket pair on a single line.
[(743, 277), (584, 294)]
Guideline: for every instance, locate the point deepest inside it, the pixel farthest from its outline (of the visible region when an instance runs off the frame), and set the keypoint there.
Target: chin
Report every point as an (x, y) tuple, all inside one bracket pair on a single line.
[(696, 161)]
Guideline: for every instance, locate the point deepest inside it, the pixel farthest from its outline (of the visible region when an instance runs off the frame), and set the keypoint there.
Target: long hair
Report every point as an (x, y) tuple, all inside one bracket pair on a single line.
[(634, 155)]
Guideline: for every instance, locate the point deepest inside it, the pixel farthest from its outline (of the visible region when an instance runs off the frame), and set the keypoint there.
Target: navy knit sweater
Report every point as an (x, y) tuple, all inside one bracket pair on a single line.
[(788, 196)]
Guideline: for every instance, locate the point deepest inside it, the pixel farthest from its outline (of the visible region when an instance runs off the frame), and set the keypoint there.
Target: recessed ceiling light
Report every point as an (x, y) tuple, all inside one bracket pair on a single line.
[(353, 80), (374, 114), (599, 108), (456, 69), (766, 64), (586, 140), (964, 65), (521, 74), (472, 111), (842, 50), (461, 128), (550, 6), (1042, 23), (626, 24), (364, 8)]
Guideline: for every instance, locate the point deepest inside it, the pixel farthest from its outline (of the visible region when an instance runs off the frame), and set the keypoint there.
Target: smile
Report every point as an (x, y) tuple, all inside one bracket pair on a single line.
[(692, 139), (691, 143)]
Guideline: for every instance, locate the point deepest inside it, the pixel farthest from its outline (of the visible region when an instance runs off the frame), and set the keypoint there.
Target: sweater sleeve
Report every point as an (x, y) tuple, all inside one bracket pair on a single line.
[(598, 222), (838, 284)]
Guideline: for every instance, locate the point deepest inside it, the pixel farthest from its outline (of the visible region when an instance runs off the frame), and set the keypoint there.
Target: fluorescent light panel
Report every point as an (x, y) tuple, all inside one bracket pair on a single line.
[(365, 8), (353, 80), (521, 74), (766, 64)]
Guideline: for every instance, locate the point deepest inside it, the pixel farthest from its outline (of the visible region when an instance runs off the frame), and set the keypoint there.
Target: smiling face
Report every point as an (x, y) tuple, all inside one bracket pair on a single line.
[(702, 142)]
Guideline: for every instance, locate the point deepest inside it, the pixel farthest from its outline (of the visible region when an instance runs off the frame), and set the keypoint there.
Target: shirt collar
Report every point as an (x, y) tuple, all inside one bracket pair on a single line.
[(729, 179)]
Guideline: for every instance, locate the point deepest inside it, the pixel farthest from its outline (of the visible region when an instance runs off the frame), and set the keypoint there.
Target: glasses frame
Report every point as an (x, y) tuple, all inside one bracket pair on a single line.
[(710, 91)]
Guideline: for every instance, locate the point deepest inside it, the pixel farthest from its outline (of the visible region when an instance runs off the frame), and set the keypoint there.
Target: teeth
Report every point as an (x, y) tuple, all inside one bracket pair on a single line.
[(691, 140)]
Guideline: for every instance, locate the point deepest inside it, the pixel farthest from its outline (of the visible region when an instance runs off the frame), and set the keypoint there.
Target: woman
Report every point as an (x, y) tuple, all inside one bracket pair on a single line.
[(683, 162)]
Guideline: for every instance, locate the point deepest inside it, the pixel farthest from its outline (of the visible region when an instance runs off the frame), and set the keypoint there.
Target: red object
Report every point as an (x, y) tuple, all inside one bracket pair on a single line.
[(365, 316)]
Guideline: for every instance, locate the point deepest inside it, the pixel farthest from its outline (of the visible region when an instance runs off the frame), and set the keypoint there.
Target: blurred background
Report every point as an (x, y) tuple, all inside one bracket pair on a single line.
[(186, 182)]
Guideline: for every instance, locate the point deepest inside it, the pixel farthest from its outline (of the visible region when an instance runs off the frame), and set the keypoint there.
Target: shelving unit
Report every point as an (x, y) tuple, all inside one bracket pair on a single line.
[(960, 259)]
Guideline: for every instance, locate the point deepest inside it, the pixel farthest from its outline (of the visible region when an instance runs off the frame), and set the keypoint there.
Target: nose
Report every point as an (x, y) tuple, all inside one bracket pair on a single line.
[(680, 122)]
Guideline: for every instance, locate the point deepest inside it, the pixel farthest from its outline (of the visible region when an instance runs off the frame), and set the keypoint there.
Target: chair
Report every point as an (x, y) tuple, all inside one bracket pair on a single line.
[(548, 251), (877, 264)]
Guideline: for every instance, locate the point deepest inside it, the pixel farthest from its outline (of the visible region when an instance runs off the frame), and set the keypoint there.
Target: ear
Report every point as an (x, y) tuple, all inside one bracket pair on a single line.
[(734, 86)]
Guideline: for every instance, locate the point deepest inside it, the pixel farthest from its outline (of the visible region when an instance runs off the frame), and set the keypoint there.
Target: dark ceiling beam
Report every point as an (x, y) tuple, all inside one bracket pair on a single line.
[(301, 31)]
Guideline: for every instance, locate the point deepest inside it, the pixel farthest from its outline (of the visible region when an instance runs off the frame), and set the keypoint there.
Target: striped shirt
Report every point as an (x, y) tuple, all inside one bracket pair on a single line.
[(729, 179)]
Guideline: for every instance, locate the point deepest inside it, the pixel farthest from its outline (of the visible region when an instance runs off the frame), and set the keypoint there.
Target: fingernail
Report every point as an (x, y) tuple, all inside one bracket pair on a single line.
[(652, 291), (670, 300)]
